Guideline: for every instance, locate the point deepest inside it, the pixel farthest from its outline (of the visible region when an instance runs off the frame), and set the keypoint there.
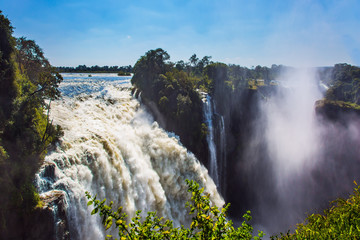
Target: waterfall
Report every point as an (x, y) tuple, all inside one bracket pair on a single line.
[(222, 155), (208, 114), (220, 143), (112, 148)]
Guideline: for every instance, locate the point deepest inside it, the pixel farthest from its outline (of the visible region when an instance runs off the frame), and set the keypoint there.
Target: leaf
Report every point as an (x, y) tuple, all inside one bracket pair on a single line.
[(94, 211), (89, 203), (109, 225)]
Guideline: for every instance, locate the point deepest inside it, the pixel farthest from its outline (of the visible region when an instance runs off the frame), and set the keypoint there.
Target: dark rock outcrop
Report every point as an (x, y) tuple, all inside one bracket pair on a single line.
[(50, 220)]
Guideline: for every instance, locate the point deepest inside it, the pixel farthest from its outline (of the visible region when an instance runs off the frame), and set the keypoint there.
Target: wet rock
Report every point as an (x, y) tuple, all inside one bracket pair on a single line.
[(50, 220), (49, 170)]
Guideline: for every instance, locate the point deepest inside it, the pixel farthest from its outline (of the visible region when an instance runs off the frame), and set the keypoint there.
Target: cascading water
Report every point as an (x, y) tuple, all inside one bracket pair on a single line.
[(220, 144), (112, 147), (208, 113), (222, 154)]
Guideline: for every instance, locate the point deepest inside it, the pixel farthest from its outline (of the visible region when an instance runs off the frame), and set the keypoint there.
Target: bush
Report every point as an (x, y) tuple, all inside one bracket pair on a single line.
[(208, 221)]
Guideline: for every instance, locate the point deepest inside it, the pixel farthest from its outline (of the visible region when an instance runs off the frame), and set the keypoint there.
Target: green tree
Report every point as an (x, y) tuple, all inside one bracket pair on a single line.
[(7, 71), (32, 63), (27, 80), (217, 73), (345, 81), (194, 60), (148, 68), (208, 221), (180, 65)]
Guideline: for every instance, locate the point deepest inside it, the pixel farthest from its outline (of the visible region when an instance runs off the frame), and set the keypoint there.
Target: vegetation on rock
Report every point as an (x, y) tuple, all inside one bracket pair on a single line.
[(172, 93), (344, 82)]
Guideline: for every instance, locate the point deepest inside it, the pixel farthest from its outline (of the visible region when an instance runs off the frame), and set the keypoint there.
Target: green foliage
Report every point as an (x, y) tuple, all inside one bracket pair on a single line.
[(28, 82), (340, 221), (32, 63), (148, 68), (7, 89), (163, 103), (217, 73), (174, 94), (345, 81), (208, 222)]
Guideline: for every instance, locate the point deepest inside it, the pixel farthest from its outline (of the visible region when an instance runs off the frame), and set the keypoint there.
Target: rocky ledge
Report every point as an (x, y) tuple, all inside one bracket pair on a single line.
[(50, 219)]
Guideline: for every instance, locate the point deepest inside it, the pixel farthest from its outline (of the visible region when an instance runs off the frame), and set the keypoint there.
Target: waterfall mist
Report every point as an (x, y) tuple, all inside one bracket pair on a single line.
[(295, 162), (112, 148)]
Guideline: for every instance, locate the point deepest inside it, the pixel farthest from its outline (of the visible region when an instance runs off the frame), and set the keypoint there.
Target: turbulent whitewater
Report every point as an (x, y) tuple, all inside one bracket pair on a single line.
[(113, 148)]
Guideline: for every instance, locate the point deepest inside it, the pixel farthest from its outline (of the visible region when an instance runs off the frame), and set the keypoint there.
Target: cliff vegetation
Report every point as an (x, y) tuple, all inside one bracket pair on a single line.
[(28, 83)]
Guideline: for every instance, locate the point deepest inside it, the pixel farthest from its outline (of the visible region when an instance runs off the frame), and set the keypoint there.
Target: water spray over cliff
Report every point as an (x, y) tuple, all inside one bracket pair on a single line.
[(295, 162), (113, 148)]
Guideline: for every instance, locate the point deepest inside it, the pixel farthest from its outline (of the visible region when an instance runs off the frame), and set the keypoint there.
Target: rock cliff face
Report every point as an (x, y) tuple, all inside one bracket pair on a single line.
[(187, 127), (240, 112), (45, 222), (50, 220), (52, 217)]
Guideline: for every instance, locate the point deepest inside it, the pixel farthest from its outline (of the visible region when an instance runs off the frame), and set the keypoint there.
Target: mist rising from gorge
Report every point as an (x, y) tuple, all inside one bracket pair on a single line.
[(296, 161)]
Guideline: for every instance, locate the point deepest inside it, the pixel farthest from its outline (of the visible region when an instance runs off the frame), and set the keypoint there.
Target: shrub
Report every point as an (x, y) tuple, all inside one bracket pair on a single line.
[(208, 221)]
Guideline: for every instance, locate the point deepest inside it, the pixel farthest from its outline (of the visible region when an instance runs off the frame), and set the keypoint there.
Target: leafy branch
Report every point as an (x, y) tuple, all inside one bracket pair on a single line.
[(208, 221)]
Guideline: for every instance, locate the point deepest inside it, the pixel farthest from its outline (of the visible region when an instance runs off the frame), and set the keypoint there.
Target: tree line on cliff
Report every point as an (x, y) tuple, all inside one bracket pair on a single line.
[(28, 83)]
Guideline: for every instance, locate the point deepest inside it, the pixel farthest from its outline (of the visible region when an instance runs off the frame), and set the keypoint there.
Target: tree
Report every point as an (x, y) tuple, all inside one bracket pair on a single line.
[(180, 65), (194, 60), (217, 73), (206, 61), (26, 79), (37, 68), (208, 222), (148, 68), (7, 72)]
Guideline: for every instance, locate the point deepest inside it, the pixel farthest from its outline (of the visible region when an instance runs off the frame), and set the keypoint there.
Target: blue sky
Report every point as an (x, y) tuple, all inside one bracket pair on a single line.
[(249, 33)]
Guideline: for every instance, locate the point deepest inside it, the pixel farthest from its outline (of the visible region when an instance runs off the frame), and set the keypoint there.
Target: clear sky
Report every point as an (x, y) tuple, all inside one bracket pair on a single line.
[(245, 32)]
